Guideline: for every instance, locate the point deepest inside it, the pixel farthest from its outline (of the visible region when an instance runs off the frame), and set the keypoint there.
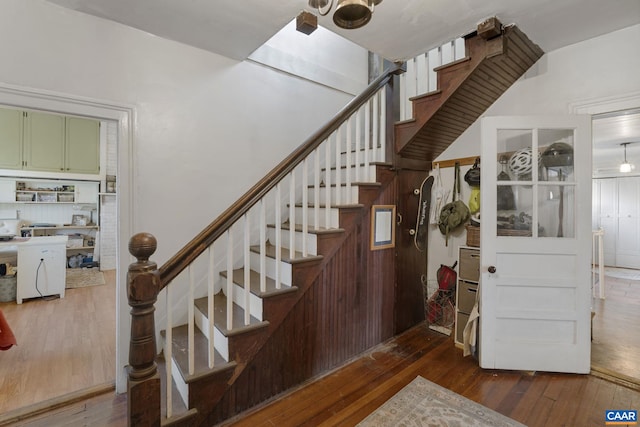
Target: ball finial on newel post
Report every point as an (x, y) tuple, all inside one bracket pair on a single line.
[(142, 246)]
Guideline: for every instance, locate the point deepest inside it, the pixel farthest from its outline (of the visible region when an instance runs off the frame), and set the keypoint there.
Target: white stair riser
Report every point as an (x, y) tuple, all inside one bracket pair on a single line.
[(312, 239), (362, 177), (254, 301), (270, 264), (334, 217), (220, 342), (345, 197), (183, 387)]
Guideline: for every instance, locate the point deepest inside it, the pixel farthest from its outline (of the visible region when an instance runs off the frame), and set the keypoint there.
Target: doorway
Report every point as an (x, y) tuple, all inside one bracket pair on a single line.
[(121, 116), (616, 207)]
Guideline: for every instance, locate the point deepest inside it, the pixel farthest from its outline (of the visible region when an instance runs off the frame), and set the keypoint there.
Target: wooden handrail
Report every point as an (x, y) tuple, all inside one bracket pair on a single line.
[(176, 264)]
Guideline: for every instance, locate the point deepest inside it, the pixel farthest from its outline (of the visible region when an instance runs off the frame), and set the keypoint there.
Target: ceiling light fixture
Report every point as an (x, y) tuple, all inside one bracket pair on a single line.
[(626, 166), (349, 14)]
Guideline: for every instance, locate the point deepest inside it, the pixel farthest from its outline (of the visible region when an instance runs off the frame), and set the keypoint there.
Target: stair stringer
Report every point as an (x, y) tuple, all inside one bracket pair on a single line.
[(279, 312), (466, 89)]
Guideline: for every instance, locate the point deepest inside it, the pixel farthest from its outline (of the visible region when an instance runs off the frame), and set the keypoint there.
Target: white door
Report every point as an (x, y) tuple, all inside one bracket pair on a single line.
[(536, 243)]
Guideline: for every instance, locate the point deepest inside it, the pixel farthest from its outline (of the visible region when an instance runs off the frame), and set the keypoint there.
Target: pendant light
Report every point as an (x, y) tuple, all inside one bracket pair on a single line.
[(349, 14), (625, 167)]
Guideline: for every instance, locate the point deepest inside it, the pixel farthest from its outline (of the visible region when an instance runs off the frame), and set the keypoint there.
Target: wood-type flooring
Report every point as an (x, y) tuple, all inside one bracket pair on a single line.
[(347, 395), (64, 346)]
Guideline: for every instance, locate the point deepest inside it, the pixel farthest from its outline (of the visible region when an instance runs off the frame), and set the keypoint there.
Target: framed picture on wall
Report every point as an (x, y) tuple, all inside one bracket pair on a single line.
[(383, 226)]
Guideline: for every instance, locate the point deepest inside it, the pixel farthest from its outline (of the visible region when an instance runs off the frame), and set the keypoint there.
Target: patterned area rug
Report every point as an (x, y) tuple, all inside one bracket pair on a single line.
[(423, 403), (83, 277)]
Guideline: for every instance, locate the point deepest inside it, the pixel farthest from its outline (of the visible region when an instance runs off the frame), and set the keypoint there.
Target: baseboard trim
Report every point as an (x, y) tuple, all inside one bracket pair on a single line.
[(55, 403)]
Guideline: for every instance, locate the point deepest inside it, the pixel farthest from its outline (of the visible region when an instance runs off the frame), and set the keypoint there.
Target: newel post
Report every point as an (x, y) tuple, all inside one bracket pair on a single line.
[(143, 285)]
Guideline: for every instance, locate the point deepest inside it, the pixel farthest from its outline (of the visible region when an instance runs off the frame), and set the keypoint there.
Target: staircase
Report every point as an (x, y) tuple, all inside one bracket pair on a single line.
[(285, 284), (496, 58)]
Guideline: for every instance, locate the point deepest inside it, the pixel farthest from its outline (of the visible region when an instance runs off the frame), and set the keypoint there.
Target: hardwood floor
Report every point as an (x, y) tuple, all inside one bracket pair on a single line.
[(346, 396), (616, 340), (64, 345)]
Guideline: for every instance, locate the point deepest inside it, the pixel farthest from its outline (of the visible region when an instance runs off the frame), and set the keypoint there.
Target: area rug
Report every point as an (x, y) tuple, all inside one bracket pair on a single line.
[(423, 403), (83, 277)]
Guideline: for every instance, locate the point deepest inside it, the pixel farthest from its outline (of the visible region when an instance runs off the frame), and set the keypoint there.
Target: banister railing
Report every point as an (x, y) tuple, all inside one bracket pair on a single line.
[(362, 125), (203, 240)]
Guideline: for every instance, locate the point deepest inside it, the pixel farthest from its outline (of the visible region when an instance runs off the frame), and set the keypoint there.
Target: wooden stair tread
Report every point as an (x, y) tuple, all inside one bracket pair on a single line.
[(452, 64), (342, 206), (180, 345), (312, 230), (353, 184), (425, 95), (220, 316), (361, 165), (254, 283), (285, 256)]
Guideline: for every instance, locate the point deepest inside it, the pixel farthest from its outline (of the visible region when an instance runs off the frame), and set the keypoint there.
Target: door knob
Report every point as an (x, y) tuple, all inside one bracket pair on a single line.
[(491, 269)]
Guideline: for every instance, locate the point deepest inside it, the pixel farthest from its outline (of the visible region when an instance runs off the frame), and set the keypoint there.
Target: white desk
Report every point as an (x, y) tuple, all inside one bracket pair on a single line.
[(41, 266)]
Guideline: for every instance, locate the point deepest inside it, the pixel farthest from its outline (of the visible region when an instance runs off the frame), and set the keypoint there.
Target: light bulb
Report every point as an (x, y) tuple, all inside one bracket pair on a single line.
[(625, 167)]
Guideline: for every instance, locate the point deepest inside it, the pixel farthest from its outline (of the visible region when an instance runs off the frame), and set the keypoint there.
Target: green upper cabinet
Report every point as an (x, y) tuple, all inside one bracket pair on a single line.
[(44, 142), (11, 125), (82, 151)]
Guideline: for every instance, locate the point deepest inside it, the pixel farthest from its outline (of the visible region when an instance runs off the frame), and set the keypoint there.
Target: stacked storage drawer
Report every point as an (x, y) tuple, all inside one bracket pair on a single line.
[(467, 289)]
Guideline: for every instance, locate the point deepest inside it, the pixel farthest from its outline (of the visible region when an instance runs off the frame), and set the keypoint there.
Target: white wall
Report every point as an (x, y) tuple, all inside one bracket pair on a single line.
[(603, 67), (204, 128)]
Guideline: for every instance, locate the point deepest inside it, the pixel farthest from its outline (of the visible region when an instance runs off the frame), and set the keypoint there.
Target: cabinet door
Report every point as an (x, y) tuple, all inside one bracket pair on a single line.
[(11, 138), (82, 153), (44, 142), (86, 192), (7, 190)]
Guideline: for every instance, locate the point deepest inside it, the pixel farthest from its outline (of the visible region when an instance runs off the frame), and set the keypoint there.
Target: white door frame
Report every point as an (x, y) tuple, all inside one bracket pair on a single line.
[(124, 115)]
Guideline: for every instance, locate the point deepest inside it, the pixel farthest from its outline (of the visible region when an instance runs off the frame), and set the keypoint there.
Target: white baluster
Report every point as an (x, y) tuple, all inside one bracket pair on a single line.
[(460, 50), (168, 349), (421, 74), (367, 140), (316, 187), (229, 280), (247, 270), (433, 62), (447, 53), (358, 119), (412, 89), (338, 166), (376, 124), (278, 243), (404, 97), (327, 182), (292, 214), (263, 245), (305, 205), (210, 307), (191, 330), (348, 165), (383, 125)]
